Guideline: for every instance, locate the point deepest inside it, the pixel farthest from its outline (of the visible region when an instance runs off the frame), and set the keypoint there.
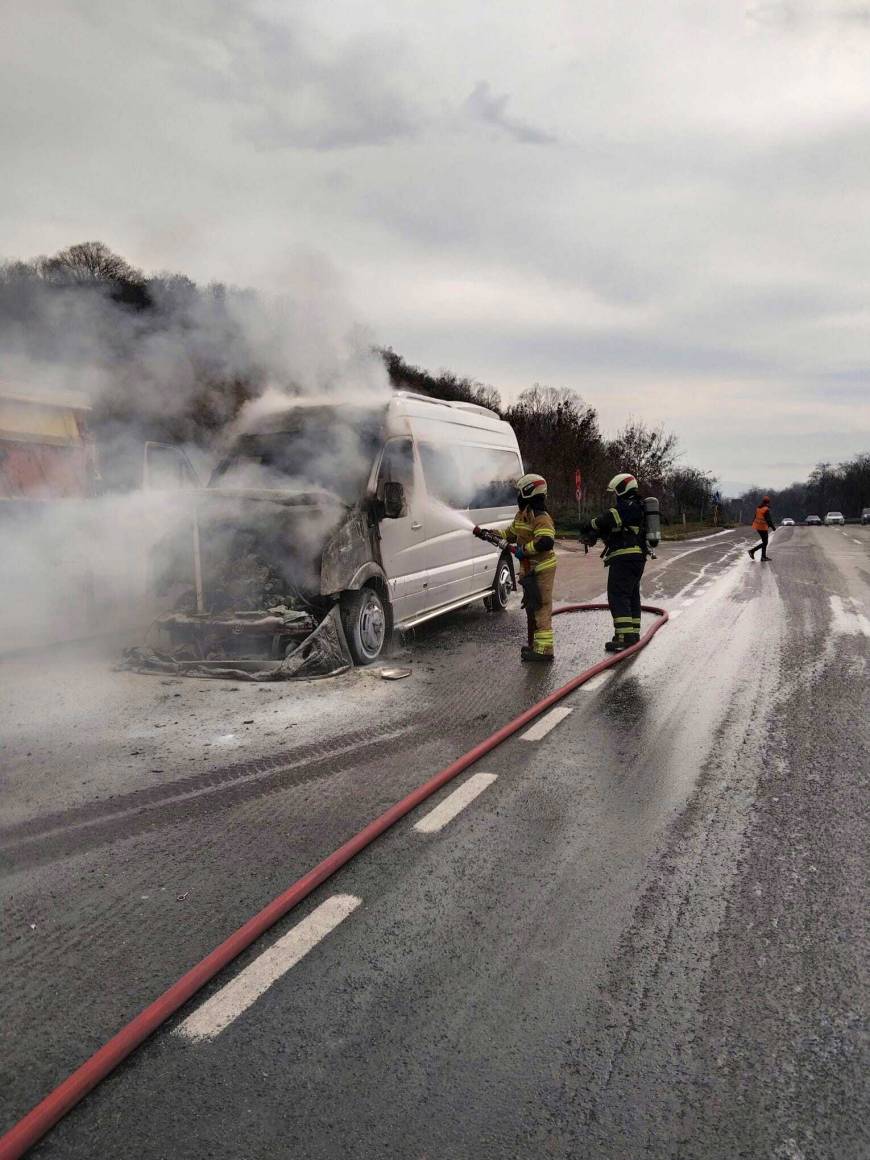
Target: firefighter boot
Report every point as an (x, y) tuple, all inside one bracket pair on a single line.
[(631, 638), (615, 645), (529, 654)]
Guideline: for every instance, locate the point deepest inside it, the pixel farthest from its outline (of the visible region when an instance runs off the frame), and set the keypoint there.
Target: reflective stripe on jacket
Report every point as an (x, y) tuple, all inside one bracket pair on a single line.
[(535, 533), (622, 531)]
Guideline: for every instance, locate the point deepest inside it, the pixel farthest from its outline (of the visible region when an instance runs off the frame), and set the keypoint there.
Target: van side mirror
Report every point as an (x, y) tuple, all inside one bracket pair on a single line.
[(394, 500)]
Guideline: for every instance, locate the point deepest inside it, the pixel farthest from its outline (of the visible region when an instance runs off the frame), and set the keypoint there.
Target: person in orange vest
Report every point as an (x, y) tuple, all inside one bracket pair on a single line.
[(764, 525)]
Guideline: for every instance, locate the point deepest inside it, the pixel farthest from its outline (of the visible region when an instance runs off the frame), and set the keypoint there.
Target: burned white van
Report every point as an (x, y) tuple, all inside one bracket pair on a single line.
[(326, 526)]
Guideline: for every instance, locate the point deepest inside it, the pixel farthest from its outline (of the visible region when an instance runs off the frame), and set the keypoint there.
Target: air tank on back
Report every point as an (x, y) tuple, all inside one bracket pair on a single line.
[(653, 523)]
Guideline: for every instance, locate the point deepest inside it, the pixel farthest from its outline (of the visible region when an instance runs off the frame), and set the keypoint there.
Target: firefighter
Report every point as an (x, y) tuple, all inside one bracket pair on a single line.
[(623, 530), (764, 525), (533, 537)]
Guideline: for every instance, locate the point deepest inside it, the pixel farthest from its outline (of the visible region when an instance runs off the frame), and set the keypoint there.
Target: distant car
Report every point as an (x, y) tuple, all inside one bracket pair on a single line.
[(813, 521), (834, 518), (788, 522), (865, 515)]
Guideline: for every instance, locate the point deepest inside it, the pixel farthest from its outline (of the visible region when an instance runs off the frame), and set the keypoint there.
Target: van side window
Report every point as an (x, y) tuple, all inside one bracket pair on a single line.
[(491, 476), (468, 477), (443, 474), (397, 466)]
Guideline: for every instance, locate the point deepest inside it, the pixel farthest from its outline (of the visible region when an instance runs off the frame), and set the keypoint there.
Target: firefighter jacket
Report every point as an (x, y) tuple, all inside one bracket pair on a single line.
[(622, 528), (763, 521), (535, 532)]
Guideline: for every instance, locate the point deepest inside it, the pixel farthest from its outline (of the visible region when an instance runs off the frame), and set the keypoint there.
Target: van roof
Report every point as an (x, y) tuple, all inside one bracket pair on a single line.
[(405, 404), (456, 405)]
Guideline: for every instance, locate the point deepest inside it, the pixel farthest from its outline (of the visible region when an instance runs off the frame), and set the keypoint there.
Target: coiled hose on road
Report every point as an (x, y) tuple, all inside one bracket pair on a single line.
[(85, 1078)]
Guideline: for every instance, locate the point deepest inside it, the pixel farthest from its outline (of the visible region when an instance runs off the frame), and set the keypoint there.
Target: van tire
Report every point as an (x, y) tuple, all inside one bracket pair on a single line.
[(502, 586), (367, 621)]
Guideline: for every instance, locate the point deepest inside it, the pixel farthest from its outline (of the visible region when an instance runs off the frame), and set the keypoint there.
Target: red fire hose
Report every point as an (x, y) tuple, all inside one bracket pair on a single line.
[(75, 1087)]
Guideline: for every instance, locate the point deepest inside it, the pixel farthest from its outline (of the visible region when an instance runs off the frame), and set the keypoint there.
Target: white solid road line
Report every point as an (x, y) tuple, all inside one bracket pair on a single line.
[(542, 728), (230, 1001), (673, 615), (454, 803)]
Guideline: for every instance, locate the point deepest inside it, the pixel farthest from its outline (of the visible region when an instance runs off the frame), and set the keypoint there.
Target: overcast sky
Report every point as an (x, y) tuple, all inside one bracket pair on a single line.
[(663, 205)]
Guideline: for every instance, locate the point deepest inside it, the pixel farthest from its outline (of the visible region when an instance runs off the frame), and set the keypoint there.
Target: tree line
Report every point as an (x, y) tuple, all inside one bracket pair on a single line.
[(177, 363), (842, 487)]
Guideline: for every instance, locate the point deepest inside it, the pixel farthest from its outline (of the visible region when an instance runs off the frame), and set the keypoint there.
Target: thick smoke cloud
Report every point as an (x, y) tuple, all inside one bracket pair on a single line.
[(158, 359)]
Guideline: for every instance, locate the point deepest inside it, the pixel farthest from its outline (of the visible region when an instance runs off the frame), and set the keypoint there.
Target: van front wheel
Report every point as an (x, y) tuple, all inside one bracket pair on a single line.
[(366, 620), (502, 586)]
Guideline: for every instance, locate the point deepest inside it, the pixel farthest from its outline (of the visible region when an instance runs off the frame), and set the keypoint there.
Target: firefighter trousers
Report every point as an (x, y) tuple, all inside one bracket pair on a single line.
[(623, 593), (540, 622)]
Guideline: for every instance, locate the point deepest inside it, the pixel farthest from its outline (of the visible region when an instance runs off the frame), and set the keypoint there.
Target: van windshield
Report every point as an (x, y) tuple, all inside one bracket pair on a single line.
[(306, 449)]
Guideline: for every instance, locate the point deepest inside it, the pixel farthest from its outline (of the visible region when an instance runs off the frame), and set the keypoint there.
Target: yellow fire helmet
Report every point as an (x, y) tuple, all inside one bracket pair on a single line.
[(622, 483), (531, 485)]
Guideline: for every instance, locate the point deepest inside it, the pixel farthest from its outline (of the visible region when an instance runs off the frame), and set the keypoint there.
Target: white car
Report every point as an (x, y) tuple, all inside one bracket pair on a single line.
[(834, 518), (788, 522)]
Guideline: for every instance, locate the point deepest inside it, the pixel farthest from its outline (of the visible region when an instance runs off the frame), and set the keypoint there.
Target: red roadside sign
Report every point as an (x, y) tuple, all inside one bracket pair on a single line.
[(578, 485)]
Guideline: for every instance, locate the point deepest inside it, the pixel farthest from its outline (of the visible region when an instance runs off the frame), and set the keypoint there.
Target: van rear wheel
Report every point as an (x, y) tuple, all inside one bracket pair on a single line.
[(502, 586), (365, 616)]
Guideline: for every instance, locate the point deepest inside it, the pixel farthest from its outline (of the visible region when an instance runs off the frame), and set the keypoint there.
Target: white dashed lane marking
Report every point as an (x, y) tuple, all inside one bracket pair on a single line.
[(447, 810), (598, 681), (547, 722), (237, 996)]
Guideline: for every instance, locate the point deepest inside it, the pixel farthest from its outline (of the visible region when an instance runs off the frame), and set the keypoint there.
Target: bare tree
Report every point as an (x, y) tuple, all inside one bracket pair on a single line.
[(647, 452), (688, 491), (558, 433), (89, 262)]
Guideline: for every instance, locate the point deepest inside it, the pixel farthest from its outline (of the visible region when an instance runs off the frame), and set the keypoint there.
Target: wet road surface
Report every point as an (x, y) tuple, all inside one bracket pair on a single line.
[(645, 933)]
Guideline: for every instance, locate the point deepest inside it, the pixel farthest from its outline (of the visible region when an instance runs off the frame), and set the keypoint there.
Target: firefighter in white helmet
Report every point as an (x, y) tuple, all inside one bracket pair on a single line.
[(623, 530), (533, 538)]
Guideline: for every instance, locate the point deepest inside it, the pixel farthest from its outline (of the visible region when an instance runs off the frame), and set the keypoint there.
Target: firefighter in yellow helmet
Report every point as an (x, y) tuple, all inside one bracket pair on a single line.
[(623, 530), (533, 538)]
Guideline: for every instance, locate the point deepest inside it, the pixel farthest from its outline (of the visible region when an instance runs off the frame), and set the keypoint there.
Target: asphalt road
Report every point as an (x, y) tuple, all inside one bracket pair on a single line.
[(645, 936)]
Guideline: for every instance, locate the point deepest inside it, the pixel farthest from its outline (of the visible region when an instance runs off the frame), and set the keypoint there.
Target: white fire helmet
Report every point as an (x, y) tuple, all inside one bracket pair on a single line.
[(531, 485), (622, 483)]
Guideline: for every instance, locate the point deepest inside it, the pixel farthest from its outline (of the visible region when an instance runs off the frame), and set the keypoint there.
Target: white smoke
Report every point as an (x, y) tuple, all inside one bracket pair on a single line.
[(179, 372)]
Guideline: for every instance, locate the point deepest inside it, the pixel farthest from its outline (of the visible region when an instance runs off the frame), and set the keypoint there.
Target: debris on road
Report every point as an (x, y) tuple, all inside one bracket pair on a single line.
[(322, 653)]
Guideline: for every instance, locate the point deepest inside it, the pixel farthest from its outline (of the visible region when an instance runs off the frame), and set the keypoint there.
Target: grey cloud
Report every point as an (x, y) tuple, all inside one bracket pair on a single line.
[(775, 14), (789, 14), (291, 92), (483, 105), (705, 200)]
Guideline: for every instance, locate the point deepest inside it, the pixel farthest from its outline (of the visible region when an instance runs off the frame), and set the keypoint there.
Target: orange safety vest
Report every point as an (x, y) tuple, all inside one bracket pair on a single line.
[(760, 522)]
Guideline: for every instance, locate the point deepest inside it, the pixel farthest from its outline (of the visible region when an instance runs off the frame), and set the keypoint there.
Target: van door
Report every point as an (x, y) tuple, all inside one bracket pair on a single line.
[(403, 539), (493, 472), (450, 547)]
